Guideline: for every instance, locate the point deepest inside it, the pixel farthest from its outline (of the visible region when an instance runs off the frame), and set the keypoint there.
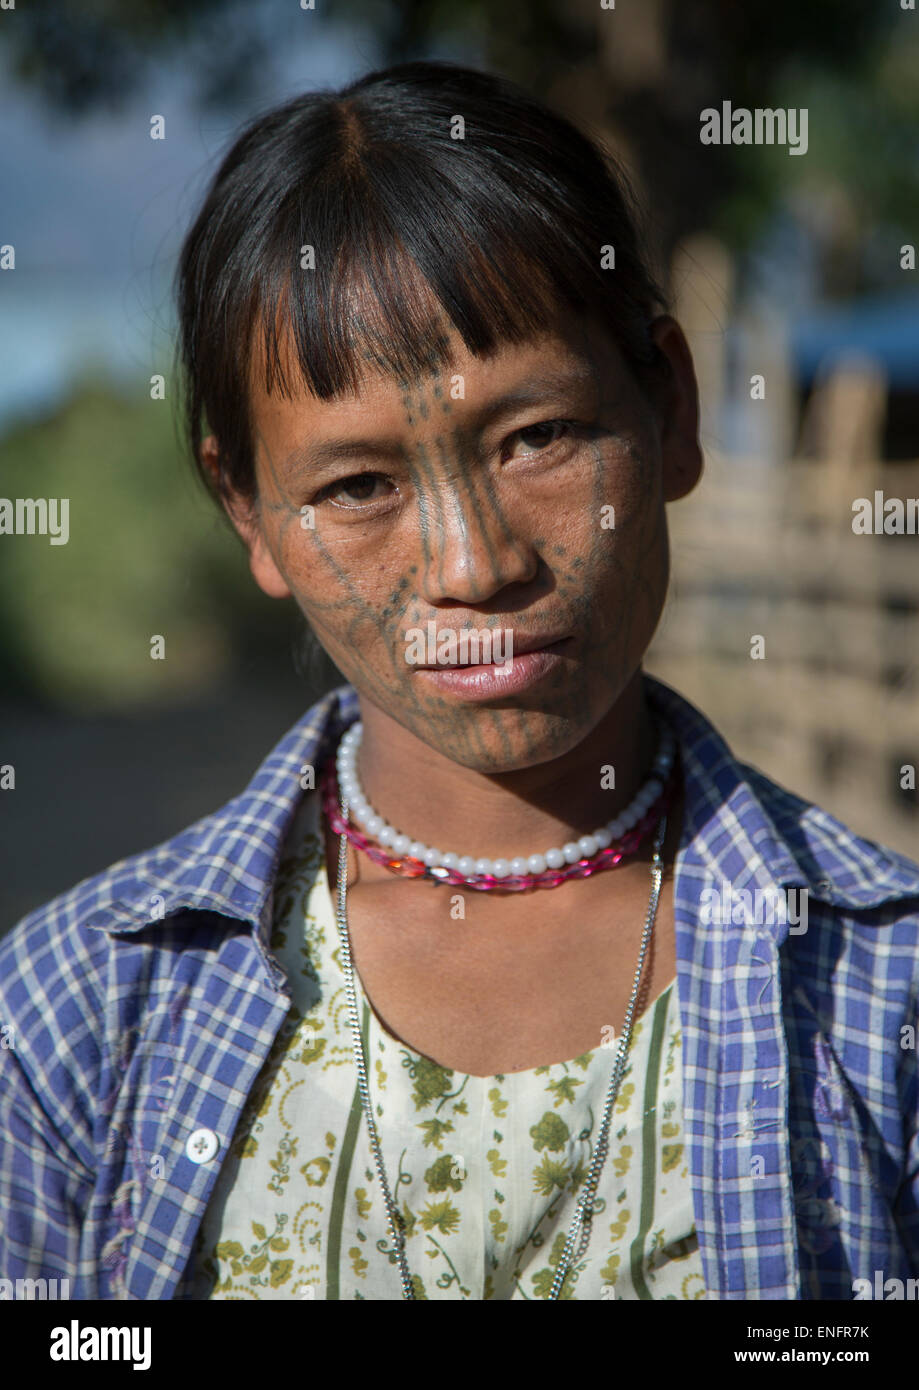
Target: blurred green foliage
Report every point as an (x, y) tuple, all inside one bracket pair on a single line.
[(148, 554)]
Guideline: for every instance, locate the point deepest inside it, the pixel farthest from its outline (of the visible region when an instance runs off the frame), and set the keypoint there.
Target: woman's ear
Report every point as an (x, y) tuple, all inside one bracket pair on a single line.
[(244, 514), (676, 398), (240, 512)]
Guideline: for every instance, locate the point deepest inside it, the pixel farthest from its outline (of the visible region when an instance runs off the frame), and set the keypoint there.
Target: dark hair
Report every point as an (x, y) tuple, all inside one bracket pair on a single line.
[(500, 227)]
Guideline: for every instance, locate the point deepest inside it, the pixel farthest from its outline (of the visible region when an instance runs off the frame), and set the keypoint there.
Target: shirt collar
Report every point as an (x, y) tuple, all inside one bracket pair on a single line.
[(739, 824)]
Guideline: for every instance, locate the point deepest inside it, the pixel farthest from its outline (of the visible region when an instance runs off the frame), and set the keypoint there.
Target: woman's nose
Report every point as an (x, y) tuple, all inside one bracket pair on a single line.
[(472, 547)]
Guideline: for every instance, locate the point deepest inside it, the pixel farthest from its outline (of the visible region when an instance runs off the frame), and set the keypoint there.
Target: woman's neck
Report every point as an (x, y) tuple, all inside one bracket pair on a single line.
[(430, 797)]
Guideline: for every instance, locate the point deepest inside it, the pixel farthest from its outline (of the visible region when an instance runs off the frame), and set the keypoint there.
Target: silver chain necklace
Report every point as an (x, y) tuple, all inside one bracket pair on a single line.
[(579, 1232)]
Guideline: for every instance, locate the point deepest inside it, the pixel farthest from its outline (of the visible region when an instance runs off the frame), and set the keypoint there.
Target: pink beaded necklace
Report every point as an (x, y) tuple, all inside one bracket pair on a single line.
[(607, 858)]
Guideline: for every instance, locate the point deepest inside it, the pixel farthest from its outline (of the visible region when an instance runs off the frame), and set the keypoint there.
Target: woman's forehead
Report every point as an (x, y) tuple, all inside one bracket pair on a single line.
[(462, 383), (568, 340)]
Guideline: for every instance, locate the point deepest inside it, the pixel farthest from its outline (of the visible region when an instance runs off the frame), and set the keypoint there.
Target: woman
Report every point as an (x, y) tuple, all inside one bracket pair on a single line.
[(503, 979)]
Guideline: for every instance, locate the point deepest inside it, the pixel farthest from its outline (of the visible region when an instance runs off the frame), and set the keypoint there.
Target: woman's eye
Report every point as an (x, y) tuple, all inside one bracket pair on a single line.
[(542, 435), (357, 489)]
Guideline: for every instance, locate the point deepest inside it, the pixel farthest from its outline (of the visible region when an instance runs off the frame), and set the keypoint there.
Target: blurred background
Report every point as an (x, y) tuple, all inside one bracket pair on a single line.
[(793, 276)]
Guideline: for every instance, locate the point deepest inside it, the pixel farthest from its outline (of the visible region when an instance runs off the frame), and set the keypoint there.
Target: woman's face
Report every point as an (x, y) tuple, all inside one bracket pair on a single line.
[(521, 493)]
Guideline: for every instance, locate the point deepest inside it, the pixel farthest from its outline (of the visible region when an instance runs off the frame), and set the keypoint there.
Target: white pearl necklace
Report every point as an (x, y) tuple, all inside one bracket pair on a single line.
[(556, 858)]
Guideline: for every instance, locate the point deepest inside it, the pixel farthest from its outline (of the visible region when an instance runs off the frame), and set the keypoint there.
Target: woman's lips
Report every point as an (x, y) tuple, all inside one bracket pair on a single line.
[(483, 682)]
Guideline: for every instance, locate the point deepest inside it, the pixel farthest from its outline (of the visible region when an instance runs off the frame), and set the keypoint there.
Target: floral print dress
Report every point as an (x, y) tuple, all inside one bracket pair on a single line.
[(485, 1170)]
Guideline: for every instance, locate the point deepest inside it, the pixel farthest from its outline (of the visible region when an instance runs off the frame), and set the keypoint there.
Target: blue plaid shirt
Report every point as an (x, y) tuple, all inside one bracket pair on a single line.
[(137, 1009)]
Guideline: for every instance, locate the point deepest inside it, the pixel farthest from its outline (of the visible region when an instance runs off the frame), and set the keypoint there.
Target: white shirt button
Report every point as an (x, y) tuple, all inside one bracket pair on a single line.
[(202, 1146)]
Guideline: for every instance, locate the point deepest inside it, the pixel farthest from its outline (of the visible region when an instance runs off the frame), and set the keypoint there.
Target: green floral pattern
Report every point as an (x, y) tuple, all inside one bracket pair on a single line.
[(485, 1171)]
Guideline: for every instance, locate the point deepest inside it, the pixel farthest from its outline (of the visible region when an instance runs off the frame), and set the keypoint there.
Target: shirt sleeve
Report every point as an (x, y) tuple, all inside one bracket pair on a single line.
[(44, 1189), (906, 1207)]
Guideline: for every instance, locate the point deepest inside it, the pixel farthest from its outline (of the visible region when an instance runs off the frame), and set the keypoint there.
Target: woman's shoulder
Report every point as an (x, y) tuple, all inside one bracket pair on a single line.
[(220, 867), (743, 823), (861, 870)]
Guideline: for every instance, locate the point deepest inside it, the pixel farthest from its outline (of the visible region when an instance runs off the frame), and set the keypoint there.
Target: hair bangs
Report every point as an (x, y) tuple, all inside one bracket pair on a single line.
[(377, 306)]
